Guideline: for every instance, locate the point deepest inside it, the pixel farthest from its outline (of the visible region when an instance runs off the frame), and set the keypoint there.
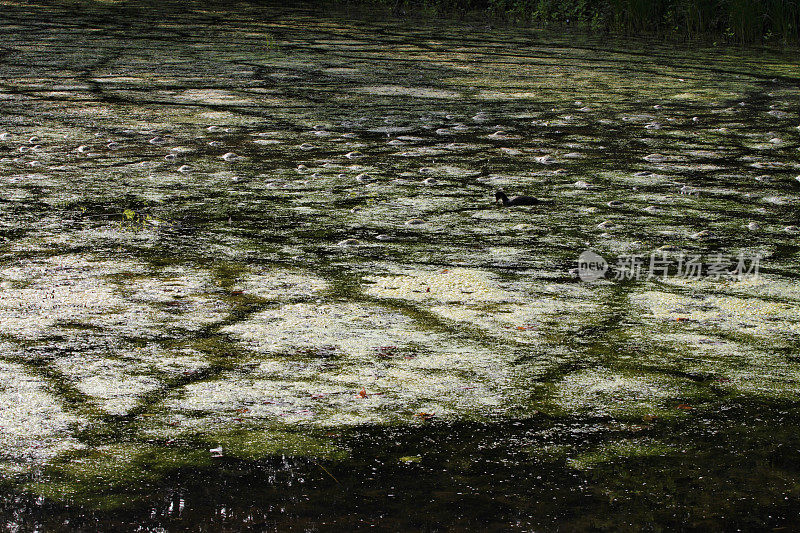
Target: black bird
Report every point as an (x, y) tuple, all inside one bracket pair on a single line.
[(517, 200)]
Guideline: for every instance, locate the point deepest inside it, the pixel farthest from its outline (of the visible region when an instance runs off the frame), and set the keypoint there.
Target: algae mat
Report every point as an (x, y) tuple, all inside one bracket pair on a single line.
[(257, 248)]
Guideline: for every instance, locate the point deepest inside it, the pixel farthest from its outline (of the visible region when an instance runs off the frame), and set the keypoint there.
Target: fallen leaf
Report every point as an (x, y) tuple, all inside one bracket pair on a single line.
[(363, 393), (425, 416), (684, 406), (387, 351)]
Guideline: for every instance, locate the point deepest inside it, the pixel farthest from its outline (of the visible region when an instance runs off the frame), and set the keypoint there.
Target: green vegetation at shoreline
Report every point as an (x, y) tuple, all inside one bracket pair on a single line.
[(729, 21)]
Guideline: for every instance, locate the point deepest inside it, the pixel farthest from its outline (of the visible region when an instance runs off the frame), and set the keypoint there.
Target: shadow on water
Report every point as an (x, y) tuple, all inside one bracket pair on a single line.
[(271, 231), (732, 470)]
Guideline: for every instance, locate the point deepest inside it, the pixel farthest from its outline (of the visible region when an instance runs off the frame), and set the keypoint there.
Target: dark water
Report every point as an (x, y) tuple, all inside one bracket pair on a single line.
[(269, 234), (732, 472)]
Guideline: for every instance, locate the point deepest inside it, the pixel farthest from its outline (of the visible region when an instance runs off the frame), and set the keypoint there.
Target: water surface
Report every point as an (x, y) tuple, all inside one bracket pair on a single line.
[(253, 276)]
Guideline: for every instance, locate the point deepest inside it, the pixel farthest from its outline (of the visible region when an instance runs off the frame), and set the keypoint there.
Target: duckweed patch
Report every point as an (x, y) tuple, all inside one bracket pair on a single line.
[(256, 250), (622, 450)]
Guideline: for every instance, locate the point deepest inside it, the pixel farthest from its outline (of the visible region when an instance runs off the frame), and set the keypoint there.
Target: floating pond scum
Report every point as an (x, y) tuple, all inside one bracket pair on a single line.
[(252, 275)]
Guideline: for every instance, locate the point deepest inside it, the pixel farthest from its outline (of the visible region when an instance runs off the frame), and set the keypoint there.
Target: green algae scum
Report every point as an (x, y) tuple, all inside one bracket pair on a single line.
[(253, 277)]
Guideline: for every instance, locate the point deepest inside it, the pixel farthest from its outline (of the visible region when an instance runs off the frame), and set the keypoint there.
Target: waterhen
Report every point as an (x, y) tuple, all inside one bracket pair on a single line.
[(517, 200)]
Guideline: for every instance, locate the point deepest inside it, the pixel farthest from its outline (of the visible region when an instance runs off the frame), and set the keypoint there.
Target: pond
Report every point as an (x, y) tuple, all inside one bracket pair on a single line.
[(253, 275)]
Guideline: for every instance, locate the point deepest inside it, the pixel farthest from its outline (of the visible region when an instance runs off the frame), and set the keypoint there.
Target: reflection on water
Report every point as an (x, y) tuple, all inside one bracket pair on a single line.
[(253, 275), (539, 473)]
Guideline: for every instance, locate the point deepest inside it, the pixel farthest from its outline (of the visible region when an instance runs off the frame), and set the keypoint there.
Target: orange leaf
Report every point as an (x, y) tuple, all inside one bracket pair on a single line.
[(684, 406), (363, 392)]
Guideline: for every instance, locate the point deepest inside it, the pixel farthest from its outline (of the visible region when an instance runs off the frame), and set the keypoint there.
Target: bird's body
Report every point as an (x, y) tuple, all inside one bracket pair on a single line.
[(517, 200)]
